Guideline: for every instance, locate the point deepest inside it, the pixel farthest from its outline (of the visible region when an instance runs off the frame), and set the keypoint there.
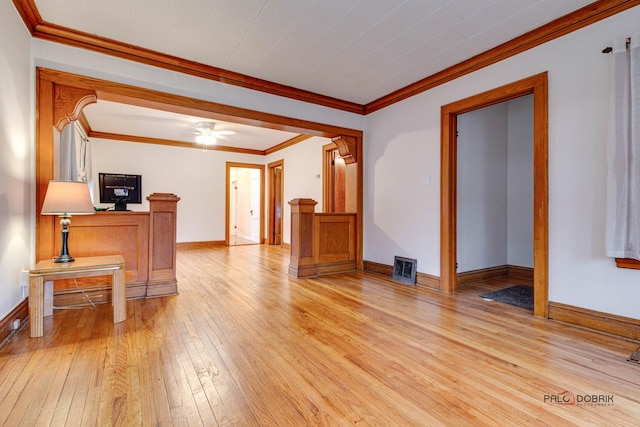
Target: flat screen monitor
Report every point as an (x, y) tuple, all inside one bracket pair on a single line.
[(120, 189)]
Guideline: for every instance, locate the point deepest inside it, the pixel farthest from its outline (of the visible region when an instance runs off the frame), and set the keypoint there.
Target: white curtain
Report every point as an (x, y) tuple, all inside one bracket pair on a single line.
[(68, 158), (623, 145)]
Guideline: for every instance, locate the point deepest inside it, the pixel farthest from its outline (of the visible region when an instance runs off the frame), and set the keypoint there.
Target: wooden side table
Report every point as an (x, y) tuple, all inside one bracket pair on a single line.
[(45, 272)]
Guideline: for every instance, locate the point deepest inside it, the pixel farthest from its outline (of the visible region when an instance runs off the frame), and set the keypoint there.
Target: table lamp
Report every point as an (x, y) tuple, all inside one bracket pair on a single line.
[(64, 198)]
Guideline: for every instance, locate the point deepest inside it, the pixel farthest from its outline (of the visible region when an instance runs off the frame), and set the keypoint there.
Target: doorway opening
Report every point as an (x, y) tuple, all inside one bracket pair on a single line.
[(276, 202), (245, 204), (537, 86)]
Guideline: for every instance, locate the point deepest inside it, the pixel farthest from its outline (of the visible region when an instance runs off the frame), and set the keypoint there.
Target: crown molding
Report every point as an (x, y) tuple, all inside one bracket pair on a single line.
[(573, 21), (287, 143), (566, 24), (63, 35), (171, 142)]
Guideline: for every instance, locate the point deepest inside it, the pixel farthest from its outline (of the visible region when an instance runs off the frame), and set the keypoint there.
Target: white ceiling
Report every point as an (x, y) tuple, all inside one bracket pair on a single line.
[(111, 117), (354, 50)]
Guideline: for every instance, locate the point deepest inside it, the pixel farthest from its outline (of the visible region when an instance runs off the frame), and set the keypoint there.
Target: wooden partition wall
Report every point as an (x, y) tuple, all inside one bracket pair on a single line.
[(321, 242), (146, 240)]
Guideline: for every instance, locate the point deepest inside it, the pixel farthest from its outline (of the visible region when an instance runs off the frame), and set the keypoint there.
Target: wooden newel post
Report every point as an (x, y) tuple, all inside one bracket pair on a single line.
[(163, 208), (301, 263)]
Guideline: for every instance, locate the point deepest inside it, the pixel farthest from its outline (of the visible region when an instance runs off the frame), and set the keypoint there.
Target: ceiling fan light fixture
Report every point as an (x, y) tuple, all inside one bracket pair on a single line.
[(206, 139)]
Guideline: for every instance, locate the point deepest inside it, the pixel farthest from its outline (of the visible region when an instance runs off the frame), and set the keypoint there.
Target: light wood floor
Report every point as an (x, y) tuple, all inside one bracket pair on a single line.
[(244, 344)]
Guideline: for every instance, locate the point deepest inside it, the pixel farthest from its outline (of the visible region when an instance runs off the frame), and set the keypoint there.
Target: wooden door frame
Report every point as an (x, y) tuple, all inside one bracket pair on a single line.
[(327, 181), (538, 86), (227, 206), (272, 197)]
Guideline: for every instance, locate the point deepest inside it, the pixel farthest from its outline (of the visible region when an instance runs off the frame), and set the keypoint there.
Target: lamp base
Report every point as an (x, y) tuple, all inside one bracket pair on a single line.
[(64, 258), (64, 251)]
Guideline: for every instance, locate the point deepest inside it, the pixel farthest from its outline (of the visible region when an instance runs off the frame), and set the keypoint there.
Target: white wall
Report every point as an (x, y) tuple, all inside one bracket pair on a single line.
[(482, 188), (402, 168), (198, 178), (495, 186), (520, 182), (17, 158)]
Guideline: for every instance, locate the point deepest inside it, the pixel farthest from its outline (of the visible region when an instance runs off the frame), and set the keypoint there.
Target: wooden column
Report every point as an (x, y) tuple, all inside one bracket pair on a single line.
[(301, 263), (162, 244)]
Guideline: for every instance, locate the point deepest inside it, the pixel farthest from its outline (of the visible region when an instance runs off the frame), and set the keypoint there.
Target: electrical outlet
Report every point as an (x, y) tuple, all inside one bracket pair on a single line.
[(15, 325)]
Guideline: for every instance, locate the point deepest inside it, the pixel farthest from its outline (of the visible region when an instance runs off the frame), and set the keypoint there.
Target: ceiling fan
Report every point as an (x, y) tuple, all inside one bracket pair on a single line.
[(207, 135)]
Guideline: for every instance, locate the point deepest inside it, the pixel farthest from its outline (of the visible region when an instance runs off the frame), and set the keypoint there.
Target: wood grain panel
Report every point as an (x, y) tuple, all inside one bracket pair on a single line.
[(163, 209), (163, 225), (335, 236), (109, 233)]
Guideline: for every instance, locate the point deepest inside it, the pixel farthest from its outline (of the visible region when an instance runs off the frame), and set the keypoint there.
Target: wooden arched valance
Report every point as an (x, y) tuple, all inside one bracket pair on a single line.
[(68, 104)]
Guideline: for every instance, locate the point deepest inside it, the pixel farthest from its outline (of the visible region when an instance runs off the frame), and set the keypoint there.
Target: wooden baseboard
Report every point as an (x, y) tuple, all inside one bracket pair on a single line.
[(483, 274), (422, 279), (610, 323), (520, 272), (199, 245), (628, 263), (497, 272), (21, 312)]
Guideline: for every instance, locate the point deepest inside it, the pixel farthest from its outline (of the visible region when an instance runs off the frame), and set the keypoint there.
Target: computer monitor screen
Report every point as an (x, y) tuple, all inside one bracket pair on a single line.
[(120, 189)]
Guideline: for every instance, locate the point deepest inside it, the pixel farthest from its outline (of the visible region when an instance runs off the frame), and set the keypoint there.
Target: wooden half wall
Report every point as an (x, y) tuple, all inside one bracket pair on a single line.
[(321, 243), (146, 240)]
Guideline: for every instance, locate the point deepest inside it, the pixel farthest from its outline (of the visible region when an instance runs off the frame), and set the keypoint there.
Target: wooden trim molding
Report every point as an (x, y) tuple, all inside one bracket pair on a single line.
[(628, 263), (604, 322), (186, 246), (482, 274), (566, 24), (133, 95), (286, 144), (69, 102), (347, 148), (21, 312), (496, 272), (68, 36), (536, 85), (271, 197), (170, 143), (422, 279), (185, 144)]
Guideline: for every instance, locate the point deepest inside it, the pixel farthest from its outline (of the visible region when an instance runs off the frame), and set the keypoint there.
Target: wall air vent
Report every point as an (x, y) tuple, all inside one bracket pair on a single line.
[(404, 270)]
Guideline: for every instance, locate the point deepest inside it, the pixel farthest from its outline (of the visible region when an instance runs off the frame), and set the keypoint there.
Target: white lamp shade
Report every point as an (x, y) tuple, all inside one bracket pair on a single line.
[(67, 197)]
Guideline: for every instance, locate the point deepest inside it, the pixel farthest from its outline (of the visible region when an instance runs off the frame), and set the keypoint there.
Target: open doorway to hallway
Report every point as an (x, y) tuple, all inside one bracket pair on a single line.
[(245, 204)]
